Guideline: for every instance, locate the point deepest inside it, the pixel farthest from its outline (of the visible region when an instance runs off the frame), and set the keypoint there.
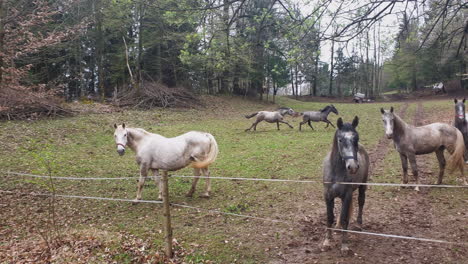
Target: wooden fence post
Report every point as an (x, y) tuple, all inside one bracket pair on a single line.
[(167, 216)]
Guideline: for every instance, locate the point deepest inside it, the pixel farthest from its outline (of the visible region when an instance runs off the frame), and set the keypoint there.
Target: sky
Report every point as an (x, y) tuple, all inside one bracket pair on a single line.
[(388, 26)]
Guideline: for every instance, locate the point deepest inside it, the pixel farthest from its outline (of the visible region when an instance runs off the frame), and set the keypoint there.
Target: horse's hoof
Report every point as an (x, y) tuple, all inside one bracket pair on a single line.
[(159, 199), (325, 245), (345, 251), (205, 195), (135, 201), (417, 188)]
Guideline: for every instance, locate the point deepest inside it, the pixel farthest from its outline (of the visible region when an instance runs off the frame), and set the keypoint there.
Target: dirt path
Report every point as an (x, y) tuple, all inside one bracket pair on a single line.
[(390, 211)]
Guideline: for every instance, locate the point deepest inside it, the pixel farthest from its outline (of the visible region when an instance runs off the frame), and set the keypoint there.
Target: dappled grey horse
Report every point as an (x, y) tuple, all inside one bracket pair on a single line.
[(271, 117), (317, 116), (411, 141), (347, 161), (155, 152), (460, 123)]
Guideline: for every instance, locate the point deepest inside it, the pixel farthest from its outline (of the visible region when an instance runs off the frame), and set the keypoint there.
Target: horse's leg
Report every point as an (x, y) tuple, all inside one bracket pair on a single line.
[(330, 219), (254, 124), (301, 123), (414, 168), (310, 124), (284, 122), (158, 182), (441, 159), (361, 201), (206, 173), (196, 172), (404, 165), (277, 124), (346, 211), (141, 182), (329, 123)]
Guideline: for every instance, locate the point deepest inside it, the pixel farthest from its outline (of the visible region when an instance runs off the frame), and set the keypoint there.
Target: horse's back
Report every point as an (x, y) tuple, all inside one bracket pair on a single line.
[(269, 116), (312, 115), (197, 138)]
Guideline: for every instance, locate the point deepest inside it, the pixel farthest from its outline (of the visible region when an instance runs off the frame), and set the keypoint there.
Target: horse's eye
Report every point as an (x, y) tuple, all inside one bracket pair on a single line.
[(125, 135)]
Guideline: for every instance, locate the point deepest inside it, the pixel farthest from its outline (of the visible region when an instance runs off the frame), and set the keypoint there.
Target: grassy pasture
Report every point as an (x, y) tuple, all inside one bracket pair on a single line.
[(83, 146)]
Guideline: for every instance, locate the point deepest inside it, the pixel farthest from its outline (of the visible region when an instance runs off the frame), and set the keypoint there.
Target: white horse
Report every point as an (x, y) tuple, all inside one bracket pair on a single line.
[(155, 152)]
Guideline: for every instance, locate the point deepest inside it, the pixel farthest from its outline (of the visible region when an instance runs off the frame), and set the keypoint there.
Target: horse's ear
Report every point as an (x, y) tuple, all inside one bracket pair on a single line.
[(391, 109), (123, 125), (464, 99), (355, 121), (382, 110), (339, 123), (455, 100), (115, 126)]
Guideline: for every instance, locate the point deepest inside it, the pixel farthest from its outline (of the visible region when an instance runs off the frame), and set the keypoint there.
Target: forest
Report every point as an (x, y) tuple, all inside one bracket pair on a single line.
[(148, 53)]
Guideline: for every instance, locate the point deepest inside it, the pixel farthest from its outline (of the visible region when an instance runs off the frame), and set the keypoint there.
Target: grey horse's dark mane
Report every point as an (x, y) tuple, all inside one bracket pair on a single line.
[(325, 108)]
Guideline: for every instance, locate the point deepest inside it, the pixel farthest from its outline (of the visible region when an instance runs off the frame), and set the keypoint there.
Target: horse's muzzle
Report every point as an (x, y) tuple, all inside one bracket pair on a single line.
[(389, 136), (352, 166), (121, 151)]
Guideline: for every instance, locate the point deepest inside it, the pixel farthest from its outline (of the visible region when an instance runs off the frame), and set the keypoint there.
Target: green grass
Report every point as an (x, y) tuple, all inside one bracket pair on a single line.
[(83, 146)]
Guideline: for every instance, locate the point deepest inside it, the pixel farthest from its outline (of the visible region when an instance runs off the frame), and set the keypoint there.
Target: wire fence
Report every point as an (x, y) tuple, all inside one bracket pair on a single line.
[(241, 179), (237, 215)]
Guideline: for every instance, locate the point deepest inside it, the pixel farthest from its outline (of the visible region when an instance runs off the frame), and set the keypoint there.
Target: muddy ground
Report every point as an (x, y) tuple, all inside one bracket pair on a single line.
[(431, 213)]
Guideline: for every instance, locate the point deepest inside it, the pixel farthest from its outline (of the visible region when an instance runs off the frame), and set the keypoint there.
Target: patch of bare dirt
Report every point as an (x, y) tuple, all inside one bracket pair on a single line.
[(30, 233)]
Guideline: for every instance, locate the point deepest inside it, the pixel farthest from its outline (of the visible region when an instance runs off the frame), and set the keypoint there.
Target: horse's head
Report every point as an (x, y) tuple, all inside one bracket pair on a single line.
[(333, 109), (388, 119), (121, 138), (460, 109), (287, 111), (348, 143)]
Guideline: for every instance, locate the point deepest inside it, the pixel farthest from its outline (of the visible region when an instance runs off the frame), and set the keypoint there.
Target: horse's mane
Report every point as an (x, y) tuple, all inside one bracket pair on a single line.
[(401, 122), (283, 108), (325, 108)]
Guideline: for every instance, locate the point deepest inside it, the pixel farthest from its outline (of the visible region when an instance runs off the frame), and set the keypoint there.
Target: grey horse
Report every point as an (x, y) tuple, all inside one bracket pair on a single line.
[(155, 152), (461, 123), (410, 141), (317, 116), (347, 161), (271, 117)]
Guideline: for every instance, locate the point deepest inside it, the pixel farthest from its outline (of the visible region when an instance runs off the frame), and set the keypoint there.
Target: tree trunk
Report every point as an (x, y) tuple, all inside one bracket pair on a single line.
[(297, 81), (292, 81), (141, 13), (330, 87), (224, 89), (2, 36), (99, 49), (316, 73)]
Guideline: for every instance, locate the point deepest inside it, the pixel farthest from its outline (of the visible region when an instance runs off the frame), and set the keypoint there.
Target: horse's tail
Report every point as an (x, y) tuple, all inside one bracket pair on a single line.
[(210, 157), (251, 115), (457, 159)]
